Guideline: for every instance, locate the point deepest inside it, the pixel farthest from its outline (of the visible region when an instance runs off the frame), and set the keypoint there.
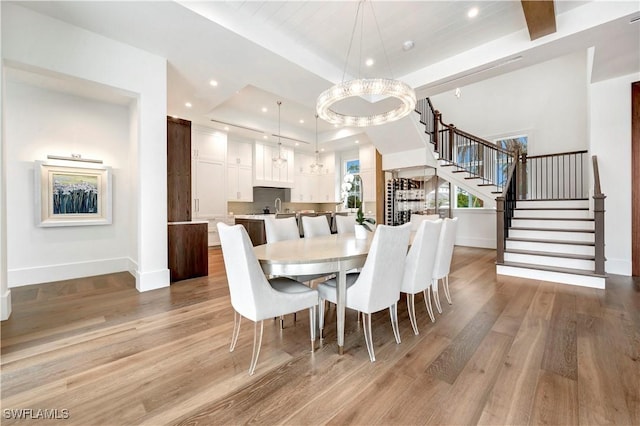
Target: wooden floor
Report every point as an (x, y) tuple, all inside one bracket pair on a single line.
[(508, 351)]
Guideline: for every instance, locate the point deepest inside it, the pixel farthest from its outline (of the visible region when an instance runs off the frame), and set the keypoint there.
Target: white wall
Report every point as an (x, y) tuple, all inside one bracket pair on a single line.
[(52, 47), (610, 138), (476, 227), (45, 122), (548, 101), (5, 293)]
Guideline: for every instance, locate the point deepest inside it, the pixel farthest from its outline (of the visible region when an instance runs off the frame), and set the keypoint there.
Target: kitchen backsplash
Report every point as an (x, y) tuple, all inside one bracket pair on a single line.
[(256, 207)]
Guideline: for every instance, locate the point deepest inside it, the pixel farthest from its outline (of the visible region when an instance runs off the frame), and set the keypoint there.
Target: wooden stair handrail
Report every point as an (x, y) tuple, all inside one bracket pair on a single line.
[(596, 176)]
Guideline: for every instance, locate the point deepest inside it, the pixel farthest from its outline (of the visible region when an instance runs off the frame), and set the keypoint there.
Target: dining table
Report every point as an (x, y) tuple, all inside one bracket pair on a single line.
[(328, 254)]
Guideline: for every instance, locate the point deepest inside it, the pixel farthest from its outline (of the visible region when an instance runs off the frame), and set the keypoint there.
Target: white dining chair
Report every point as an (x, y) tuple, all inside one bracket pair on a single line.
[(442, 264), (315, 226), (418, 268), (281, 229), (345, 224), (377, 286), (253, 296), (417, 219)]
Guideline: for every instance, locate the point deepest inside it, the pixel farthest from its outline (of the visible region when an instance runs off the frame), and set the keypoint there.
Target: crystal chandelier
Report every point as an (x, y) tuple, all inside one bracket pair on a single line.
[(279, 161), (317, 166), (366, 87)]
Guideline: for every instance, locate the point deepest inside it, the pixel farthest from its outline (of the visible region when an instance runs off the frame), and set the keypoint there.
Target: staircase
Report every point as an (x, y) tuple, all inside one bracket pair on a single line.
[(552, 240), (545, 229)]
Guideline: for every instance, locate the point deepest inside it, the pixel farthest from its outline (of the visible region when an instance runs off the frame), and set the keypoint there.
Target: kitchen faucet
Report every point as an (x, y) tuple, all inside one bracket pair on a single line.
[(278, 204)]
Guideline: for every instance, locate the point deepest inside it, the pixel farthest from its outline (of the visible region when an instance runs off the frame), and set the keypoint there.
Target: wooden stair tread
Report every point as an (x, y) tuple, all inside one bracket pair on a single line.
[(518, 228), (553, 269), (536, 240), (551, 208), (552, 254), (568, 219)]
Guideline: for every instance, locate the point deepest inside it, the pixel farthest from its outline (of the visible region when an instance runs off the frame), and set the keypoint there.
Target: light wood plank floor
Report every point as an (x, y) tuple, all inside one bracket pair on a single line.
[(508, 351)]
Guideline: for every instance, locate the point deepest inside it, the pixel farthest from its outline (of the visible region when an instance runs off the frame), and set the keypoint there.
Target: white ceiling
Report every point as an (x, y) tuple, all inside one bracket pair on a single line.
[(264, 51)]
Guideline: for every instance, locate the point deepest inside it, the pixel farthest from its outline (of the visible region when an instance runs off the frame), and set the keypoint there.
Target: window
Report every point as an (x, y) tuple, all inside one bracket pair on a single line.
[(509, 143), (352, 184), (466, 200)]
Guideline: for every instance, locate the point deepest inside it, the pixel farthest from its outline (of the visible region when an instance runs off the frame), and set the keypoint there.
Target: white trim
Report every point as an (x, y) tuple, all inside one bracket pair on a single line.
[(5, 305), (554, 277), (65, 271), (152, 280), (489, 243)]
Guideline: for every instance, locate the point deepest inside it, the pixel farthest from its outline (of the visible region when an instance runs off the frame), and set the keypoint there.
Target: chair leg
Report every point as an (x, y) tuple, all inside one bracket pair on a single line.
[(411, 307), (312, 325), (281, 322), (236, 330), (257, 341), (368, 339), (436, 297), (427, 302), (446, 289), (393, 312), (321, 317)]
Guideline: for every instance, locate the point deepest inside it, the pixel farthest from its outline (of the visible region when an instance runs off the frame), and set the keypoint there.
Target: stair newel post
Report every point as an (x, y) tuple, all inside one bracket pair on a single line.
[(436, 130), (598, 216), (452, 130), (522, 176), (500, 205)]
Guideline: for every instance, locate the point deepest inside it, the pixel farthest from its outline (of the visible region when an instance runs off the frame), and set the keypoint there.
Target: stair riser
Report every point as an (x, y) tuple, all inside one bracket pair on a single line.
[(556, 277), (556, 224), (551, 204), (552, 235), (562, 262), (551, 247), (578, 214)]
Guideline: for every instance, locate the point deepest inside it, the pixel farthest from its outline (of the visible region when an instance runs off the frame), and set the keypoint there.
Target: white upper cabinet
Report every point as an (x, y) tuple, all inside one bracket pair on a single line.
[(209, 144), (266, 174), (239, 171), (367, 155)]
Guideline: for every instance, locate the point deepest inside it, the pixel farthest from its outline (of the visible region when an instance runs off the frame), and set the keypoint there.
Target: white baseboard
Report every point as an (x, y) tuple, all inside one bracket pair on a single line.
[(146, 281), (554, 277), (66, 271), (5, 305), (489, 243)]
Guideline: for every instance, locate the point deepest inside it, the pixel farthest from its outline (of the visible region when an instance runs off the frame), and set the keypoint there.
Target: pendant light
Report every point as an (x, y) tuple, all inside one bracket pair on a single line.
[(279, 161), (366, 88), (317, 166)]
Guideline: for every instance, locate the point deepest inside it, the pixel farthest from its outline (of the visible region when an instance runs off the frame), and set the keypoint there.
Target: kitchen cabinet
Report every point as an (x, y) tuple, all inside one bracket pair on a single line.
[(187, 255), (178, 170), (255, 229), (268, 175), (312, 187), (209, 173), (239, 171)]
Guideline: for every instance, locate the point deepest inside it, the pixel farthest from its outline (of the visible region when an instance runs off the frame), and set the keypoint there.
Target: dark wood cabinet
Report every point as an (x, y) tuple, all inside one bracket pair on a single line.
[(188, 251), (255, 229), (178, 170)]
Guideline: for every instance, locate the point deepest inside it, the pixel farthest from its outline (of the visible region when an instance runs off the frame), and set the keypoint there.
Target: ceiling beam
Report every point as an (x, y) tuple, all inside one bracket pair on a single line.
[(540, 16)]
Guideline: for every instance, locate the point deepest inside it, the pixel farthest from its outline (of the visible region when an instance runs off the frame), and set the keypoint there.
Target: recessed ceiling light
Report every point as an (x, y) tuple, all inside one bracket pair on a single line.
[(473, 12), (335, 125), (408, 45), (357, 141), (264, 109), (321, 149), (297, 143), (301, 121), (369, 62), (213, 83), (264, 136), (188, 104), (226, 128)]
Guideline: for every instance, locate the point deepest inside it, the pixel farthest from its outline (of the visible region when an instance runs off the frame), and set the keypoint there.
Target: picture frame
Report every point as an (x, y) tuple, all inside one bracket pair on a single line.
[(72, 194)]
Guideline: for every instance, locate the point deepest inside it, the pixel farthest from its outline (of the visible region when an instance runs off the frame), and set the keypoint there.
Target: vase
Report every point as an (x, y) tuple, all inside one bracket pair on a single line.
[(361, 232)]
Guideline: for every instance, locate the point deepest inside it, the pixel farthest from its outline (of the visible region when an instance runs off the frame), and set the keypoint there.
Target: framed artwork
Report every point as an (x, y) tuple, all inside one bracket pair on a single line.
[(72, 195)]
